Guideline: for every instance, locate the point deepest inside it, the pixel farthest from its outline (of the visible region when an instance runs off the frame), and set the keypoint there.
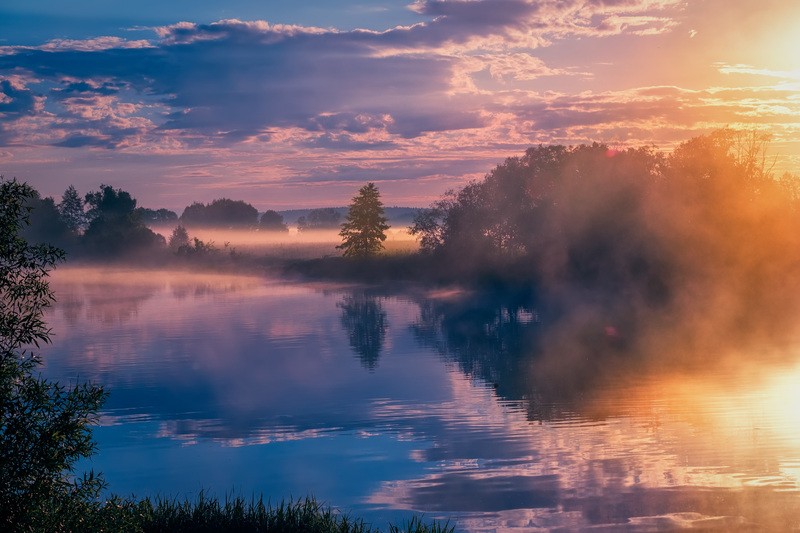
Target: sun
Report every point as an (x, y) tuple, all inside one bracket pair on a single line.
[(780, 50)]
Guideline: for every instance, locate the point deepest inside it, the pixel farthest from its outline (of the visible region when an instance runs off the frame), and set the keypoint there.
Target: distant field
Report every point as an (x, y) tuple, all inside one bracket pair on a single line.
[(291, 244)]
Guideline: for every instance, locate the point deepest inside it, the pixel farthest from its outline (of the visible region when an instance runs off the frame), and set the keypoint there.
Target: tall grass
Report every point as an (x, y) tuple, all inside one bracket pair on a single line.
[(209, 514)]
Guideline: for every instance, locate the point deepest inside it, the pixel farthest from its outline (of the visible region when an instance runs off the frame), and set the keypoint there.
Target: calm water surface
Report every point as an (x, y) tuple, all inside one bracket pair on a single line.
[(439, 403)]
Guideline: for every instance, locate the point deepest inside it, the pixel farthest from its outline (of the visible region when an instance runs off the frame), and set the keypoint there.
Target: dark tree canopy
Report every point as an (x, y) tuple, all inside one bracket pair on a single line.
[(550, 202), (272, 221), (44, 426), (115, 227), (223, 213), (46, 224), (109, 204), (363, 232), (322, 218), (556, 200)]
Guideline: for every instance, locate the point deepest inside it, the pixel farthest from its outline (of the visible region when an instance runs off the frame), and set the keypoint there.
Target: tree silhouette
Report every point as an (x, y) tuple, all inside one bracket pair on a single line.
[(364, 320), (46, 224), (109, 203), (363, 232), (71, 210), (178, 239), (44, 426), (115, 227), (222, 212), (272, 221)]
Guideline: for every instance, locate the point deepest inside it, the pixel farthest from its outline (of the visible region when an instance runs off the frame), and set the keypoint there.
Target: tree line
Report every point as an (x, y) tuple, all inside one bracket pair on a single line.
[(109, 223), (75, 213), (580, 213), (106, 222), (589, 212)]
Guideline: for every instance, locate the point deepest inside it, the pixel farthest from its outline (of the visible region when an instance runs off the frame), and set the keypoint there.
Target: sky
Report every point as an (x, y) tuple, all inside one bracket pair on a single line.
[(290, 104)]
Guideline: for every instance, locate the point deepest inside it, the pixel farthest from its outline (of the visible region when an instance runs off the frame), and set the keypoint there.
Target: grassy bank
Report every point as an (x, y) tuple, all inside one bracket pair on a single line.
[(210, 515)]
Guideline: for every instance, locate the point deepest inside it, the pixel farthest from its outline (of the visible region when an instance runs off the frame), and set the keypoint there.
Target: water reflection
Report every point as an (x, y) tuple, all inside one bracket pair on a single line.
[(501, 339), (671, 461), (364, 320), (489, 336), (224, 381), (623, 442), (236, 360)]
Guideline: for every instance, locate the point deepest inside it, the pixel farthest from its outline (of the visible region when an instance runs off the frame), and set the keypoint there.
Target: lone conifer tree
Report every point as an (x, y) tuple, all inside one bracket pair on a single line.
[(363, 232), (71, 210)]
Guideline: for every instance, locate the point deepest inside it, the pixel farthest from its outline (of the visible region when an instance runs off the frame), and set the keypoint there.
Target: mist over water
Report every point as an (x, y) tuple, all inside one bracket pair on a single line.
[(456, 403), (290, 244), (638, 260)]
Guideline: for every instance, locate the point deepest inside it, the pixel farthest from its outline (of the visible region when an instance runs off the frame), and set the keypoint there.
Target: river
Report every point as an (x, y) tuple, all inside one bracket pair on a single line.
[(432, 402)]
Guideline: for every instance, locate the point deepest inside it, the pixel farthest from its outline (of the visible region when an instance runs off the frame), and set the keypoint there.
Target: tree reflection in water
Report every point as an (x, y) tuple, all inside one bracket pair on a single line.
[(364, 320), (554, 362), (491, 336), (488, 336)]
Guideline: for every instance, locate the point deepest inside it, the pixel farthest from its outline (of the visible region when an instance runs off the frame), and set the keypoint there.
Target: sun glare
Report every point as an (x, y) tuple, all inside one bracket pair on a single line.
[(761, 405), (781, 51), (781, 397)]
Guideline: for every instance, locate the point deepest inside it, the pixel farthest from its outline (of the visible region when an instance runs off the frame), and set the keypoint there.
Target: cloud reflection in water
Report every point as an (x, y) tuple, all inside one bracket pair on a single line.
[(439, 404)]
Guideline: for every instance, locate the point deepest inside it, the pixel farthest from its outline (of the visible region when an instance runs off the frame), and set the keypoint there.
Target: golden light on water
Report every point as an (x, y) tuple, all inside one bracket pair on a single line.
[(782, 399), (768, 405), (749, 417)]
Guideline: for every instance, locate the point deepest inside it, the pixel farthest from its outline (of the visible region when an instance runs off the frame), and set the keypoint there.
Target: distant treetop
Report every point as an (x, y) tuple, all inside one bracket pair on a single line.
[(272, 221), (156, 216), (323, 218), (222, 212)]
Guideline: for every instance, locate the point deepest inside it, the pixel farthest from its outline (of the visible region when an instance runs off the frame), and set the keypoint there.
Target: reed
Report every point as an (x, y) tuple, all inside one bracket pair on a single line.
[(210, 514)]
